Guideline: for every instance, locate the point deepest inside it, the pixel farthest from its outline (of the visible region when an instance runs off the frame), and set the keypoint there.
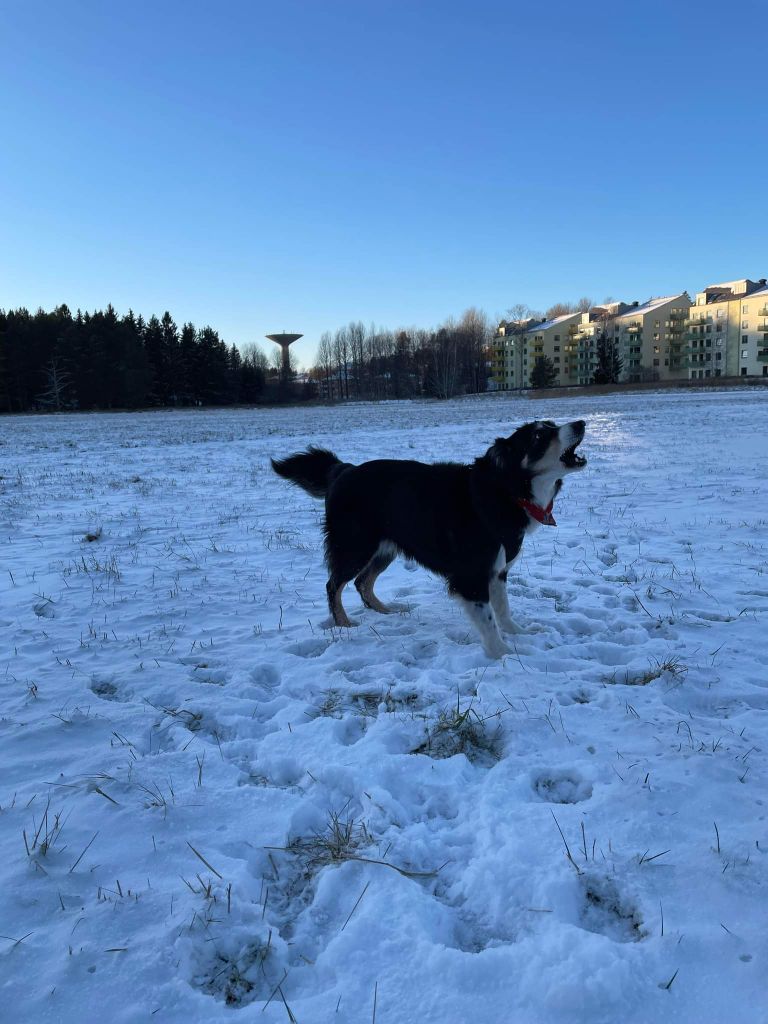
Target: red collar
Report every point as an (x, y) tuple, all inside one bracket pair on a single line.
[(541, 515)]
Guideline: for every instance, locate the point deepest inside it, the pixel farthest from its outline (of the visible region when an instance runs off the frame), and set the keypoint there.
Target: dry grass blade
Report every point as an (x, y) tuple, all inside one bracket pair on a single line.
[(83, 853), (357, 903), (202, 858), (565, 844)]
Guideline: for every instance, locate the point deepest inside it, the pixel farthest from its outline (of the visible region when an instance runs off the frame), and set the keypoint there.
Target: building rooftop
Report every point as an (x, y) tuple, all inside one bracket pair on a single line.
[(652, 304), (554, 322)]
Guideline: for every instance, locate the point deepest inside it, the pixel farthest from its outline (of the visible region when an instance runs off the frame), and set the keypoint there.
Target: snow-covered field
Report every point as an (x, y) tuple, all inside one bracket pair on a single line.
[(208, 804)]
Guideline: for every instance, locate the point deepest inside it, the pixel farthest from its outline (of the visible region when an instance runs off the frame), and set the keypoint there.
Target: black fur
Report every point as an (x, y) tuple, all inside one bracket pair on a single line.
[(314, 470), (449, 517)]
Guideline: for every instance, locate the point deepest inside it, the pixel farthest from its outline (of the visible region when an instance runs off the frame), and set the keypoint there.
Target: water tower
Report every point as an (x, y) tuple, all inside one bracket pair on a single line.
[(285, 341)]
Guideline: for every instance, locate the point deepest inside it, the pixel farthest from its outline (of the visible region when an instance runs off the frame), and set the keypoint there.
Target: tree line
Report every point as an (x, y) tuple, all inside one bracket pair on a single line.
[(453, 359), (60, 361), (359, 362), (56, 360)]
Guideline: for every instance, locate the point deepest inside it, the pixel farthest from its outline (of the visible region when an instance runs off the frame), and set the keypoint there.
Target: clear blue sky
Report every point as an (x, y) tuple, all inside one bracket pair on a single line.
[(295, 165)]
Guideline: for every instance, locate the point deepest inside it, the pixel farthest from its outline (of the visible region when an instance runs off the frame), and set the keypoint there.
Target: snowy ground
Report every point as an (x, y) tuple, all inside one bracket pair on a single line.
[(208, 804)]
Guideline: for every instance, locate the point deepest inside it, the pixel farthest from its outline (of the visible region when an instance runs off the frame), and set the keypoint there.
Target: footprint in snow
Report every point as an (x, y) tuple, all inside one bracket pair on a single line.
[(606, 912), (309, 648), (265, 676), (204, 672), (106, 689), (562, 787)]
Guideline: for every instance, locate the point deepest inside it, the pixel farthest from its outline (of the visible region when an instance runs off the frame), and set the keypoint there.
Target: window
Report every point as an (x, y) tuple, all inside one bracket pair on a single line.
[(556, 347), (557, 337), (745, 309), (556, 359), (743, 353), (744, 324), (655, 362), (719, 355), (744, 339), (719, 342), (743, 371)]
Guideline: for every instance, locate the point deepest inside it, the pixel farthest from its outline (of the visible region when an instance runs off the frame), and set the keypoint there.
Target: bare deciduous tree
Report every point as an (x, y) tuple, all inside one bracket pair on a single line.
[(58, 386)]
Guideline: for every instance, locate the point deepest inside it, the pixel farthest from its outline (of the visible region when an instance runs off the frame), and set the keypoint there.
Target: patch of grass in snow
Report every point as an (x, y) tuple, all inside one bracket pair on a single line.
[(366, 703), (672, 668), (338, 841), (330, 706), (44, 833), (461, 732)]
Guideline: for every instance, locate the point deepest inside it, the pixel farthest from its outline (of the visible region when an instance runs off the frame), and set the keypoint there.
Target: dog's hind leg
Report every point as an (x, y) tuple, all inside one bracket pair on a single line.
[(364, 582), (345, 561), (339, 616)]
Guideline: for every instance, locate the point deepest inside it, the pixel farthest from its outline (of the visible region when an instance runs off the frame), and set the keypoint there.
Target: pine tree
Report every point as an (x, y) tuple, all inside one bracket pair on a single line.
[(609, 362), (544, 373)]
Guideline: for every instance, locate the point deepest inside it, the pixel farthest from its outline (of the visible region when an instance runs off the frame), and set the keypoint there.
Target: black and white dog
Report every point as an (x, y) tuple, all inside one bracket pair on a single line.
[(466, 523)]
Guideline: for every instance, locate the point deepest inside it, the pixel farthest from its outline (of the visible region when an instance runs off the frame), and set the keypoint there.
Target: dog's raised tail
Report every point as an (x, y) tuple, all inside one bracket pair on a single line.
[(314, 469)]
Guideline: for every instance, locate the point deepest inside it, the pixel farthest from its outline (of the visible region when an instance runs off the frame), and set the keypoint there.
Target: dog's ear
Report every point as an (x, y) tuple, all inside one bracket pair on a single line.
[(507, 452)]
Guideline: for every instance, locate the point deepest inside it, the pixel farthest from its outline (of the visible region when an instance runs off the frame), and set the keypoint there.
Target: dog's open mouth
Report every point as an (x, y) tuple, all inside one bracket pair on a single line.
[(570, 459)]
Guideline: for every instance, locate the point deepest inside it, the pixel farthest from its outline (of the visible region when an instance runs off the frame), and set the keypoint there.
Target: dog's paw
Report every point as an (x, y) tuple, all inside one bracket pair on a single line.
[(509, 626), (329, 623), (496, 650)]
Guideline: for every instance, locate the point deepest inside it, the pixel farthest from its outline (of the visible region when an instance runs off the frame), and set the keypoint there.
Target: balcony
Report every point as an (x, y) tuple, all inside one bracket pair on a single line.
[(762, 355), (763, 311), (698, 321), (763, 328), (692, 363), (678, 316), (634, 329)]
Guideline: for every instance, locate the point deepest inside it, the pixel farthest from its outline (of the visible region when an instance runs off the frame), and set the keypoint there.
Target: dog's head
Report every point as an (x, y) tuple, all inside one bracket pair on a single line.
[(541, 447)]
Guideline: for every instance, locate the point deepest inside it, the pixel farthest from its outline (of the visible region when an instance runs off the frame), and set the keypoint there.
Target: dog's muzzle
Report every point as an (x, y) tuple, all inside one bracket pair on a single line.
[(569, 458)]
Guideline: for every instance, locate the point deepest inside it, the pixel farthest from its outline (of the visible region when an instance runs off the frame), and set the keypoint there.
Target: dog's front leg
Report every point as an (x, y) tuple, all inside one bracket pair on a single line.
[(500, 602), (480, 614), (497, 588)]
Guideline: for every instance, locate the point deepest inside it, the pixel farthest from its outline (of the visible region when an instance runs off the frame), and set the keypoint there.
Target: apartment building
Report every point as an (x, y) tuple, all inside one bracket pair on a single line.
[(580, 361), (507, 354), (727, 331), (549, 338), (567, 340), (651, 338), (724, 332)]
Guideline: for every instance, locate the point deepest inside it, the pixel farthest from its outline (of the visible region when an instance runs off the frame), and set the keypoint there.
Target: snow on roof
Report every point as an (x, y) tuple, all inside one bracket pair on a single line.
[(649, 306), (535, 328)]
